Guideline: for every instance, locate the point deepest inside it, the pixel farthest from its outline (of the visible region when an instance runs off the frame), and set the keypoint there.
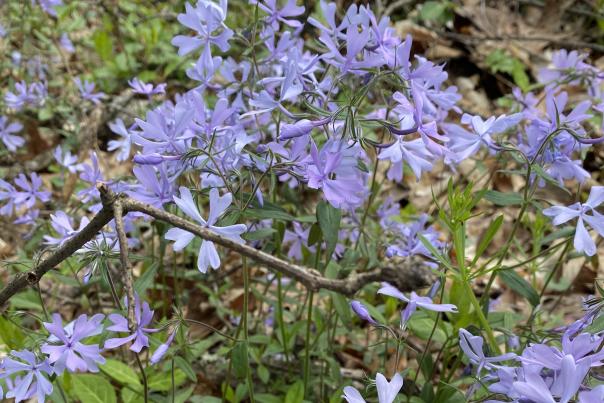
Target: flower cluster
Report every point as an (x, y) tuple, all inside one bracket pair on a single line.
[(72, 348)]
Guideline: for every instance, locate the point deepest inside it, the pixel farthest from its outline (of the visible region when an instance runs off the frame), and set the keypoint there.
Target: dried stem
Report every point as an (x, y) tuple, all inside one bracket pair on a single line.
[(118, 214), (406, 274)]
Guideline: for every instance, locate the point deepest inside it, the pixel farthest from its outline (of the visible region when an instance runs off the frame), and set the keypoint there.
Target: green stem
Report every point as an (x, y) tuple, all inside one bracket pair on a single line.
[(482, 319), (246, 286), (307, 353)]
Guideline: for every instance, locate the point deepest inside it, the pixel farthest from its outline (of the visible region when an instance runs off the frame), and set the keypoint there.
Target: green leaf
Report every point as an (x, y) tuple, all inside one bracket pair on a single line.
[(295, 393), (12, 336), (146, 279), (267, 398), (186, 368), (89, 388), (162, 381), (329, 218), (434, 11), (259, 234), (103, 44), (519, 285), (131, 396), (240, 360), (504, 198), (486, 239), (422, 327), (442, 259), (120, 372)]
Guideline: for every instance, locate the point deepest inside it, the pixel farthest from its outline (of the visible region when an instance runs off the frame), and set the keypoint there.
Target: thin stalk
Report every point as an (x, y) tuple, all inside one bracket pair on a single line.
[(246, 294)]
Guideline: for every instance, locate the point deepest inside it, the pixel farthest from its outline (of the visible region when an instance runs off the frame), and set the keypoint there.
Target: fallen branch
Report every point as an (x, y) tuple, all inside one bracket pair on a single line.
[(407, 274)]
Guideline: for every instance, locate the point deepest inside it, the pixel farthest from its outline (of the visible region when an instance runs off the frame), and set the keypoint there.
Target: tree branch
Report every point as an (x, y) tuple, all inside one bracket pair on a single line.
[(405, 274)]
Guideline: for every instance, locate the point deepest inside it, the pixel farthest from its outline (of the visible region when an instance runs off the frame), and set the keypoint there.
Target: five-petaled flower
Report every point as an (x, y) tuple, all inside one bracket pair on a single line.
[(208, 255)]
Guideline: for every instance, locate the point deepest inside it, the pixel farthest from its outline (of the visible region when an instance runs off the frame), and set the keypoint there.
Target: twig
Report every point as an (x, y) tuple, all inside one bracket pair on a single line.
[(405, 274), (126, 265)]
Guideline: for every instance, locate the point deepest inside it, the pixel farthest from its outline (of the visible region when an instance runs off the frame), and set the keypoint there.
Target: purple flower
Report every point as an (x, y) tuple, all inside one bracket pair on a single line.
[(298, 238), (387, 391), (70, 352), (30, 191), (153, 158), (204, 69), (66, 160), (49, 6), (62, 224), (561, 214), (7, 129), (86, 89), (66, 43), (275, 15), (159, 353), (143, 88), (90, 173), (151, 189), (361, 311), (345, 189), (24, 95), (596, 395), (465, 144), (143, 316), (207, 20), (300, 128), (34, 380), (413, 302), (472, 348), (413, 152), (208, 255), (124, 144)]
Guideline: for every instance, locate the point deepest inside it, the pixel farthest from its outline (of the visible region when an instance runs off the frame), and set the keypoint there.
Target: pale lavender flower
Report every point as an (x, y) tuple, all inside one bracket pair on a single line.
[(413, 302), (533, 388), (7, 129), (298, 239), (66, 159), (143, 316), (65, 349), (33, 94), (207, 20), (90, 173), (28, 218), (49, 6), (7, 195), (300, 128), (596, 395), (2, 31), (143, 88), (472, 346), (32, 379), (387, 391), (561, 214), (66, 43), (151, 189), (159, 353), (361, 311), (63, 226), (208, 255), (86, 89), (284, 15), (204, 69), (412, 152), (124, 144), (341, 191), (30, 191)]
